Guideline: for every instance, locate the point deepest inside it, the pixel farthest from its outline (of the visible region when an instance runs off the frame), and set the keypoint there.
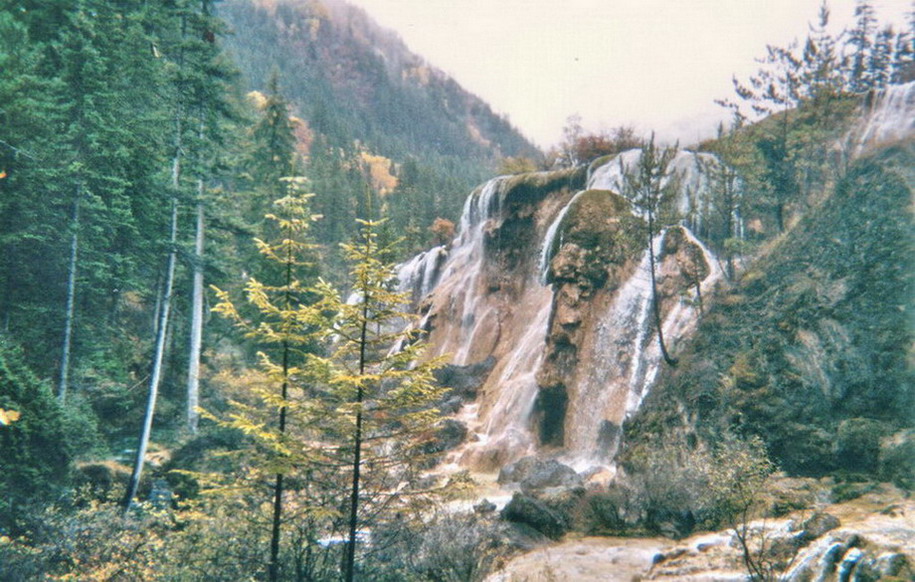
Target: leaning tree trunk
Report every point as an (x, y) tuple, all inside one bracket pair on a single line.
[(156, 377), (162, 328), (63, 383)]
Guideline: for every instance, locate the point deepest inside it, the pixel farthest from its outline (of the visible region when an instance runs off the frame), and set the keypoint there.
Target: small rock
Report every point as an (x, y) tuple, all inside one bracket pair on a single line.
[(892, 564), (484, 507), (816, 525)]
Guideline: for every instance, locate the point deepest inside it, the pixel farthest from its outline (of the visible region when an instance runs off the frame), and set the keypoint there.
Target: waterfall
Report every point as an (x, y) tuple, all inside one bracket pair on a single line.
[(503, 430), (419, 275), (889, 117), (476, 312), (624, 359), (462, 270), (550, 244)]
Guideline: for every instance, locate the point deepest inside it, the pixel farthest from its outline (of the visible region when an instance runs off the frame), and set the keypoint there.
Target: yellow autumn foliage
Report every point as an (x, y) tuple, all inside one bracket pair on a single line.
[(379, 170)]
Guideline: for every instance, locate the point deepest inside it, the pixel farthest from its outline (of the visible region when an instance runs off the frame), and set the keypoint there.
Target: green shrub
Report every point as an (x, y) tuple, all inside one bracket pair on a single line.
[(37, 449)]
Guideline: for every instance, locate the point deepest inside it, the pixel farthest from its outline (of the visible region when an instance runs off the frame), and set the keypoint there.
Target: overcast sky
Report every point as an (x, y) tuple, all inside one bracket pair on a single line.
[(655, 64)]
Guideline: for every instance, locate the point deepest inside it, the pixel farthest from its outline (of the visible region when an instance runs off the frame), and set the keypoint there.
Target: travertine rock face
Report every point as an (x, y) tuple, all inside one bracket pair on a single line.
[(552, 282), (601, 353)]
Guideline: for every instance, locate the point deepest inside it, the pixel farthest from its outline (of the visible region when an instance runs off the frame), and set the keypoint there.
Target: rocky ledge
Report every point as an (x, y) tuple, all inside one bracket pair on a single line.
[(867, 539)]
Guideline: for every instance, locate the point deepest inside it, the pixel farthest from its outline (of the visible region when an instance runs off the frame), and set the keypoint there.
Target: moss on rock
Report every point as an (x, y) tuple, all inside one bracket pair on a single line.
[(597, 236)]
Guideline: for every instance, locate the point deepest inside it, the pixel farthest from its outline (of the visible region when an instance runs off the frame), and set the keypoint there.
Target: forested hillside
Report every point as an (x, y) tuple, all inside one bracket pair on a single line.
[(138, 159), (207, 370), (125, 123), (363, 100)]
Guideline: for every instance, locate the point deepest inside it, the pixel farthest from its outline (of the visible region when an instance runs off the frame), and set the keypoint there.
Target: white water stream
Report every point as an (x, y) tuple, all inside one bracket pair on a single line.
[(618, 362), (624, 358), (890, 117)]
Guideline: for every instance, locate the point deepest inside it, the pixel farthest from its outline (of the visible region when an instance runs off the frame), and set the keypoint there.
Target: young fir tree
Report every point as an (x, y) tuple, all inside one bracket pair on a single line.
[(646, 185), (384, 399), (356, 419), (283, 329)]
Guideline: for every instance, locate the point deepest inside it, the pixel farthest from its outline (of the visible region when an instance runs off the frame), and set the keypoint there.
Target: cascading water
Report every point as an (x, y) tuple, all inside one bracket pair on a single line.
[(889, 117), (478, 311), (466, 265), (548, 248), (419, 275), (624, 357), (476, 316), (502, 430)]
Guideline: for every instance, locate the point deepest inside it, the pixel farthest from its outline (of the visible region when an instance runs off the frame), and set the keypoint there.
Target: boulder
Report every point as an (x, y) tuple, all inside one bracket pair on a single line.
[(816, 525), (857, 445), (534, 475), (526, 510), (514, 472), (551, 475), (463, 381), (449, 435)]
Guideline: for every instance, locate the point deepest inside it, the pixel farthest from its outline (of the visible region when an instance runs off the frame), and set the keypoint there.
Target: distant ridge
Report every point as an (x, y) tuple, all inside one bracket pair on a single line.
[(351, 79)]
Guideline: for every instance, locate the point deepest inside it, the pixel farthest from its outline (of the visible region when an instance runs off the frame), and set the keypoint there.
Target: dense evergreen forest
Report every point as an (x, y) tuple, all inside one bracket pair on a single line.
[(363, 101), (138, 159), (189, 191)]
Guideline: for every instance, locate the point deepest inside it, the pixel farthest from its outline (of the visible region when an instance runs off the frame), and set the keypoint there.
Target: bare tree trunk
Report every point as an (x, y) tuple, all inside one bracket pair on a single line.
[(162, 328), (193, 371), (655, 303), (156, 377), (63, 383)]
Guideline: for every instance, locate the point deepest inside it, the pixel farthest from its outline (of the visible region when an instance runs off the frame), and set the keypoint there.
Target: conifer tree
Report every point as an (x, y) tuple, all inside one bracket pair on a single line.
[(207, 78), (861, 42), (727, 196), (283, 329), (822, 76), (93, 144), (646, 185), (178, 123), (880, 62), (384, 400)]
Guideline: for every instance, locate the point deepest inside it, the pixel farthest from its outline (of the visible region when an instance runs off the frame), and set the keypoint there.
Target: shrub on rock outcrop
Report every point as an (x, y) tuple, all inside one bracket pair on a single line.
[(897, 459)]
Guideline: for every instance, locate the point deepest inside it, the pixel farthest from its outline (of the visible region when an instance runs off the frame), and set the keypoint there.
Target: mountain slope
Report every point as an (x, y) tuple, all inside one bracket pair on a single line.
[(352, 80), (812, 349)]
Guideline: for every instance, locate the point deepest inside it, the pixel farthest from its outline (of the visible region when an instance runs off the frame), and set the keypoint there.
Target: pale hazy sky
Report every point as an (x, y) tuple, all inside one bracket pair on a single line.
[(655, 64)]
